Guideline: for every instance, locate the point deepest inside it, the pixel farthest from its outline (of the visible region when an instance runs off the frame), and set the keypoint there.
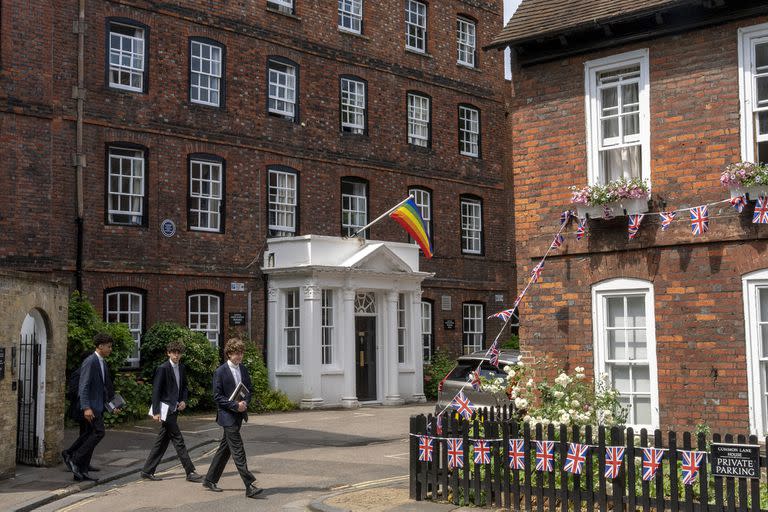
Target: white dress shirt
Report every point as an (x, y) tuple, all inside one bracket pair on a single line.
[(235, 369)]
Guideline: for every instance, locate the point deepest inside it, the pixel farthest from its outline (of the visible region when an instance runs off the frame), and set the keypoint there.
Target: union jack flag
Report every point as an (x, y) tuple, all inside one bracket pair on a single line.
[(614, 455), (607, 213), (439, 424), (691, 463), (455, 452), (761, 211), (482, 452), (651, 462), (634, 224), (558, 241), (425, 448), (462, 405), (536, 272), (504, 315), (581, 229), (495, 354), (565, 217), (738, 203), (516, 454), (474, 379), (700, 220), (545, 456), (576, 457), (666, 219)]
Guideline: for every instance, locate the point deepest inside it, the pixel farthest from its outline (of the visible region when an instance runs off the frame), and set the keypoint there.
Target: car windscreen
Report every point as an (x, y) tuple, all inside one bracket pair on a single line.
[(487, 371)]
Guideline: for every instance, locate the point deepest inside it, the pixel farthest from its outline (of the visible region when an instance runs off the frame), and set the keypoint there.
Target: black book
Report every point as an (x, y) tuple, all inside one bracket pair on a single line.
[(117, 402), (239, 394)]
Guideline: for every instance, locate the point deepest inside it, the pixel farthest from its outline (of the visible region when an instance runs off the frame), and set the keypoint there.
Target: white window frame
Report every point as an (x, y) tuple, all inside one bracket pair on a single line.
[(626, 287), (351, 16), (327, 327), (282, 87), (128, 58), (471, 225), (419, 114), (132, 317), (207, 70), (131, 184), (402, 330), (353, 105), (354, 207), (291, 324), (752, 283), (466, 42), (423, 199), (472, 326), (283, 5), (469, 131), (283, 202), (206, 202), (592, 69), (426, 330), (416, 26), (207, 322), (748, 38)]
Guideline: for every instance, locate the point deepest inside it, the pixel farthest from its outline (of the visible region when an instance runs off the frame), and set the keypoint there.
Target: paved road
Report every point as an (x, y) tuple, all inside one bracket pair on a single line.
[(297, 457)]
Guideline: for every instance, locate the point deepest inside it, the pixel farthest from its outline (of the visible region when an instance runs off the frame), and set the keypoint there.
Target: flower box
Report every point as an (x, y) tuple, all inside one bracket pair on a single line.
[(625, 206), (633, 206), (624, 196), (752, 192), (583, 211)]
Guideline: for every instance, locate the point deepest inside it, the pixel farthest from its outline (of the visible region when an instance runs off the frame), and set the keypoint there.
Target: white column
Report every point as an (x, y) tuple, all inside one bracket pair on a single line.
[(348, 349), (273, 337), (392, 396), (311, 358), (417, 349)]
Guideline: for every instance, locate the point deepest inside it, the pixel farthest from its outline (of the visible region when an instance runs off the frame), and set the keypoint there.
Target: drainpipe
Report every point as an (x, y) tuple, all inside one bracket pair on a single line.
[(78, 93)]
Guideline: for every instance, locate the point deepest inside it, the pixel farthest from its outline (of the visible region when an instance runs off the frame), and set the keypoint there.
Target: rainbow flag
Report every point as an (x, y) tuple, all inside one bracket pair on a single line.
[(409, 216)]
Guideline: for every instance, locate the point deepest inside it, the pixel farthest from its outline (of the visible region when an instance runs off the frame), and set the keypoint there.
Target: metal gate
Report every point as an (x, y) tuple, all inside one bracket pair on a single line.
[(26, 432)]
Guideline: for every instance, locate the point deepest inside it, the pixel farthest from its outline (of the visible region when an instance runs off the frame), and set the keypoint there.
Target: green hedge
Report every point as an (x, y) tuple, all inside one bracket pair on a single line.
[(435, 372), (264, 398)]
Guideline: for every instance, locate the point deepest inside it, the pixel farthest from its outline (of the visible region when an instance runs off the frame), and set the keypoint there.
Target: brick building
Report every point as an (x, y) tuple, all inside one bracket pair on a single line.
[(670, 92), (153, 149)]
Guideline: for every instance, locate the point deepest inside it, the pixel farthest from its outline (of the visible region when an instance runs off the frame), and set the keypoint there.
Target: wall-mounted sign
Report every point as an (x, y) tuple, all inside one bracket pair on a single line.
[(168, 228), (449, 325), (735, 460), (236, 319), (445, 303), (237, 287)]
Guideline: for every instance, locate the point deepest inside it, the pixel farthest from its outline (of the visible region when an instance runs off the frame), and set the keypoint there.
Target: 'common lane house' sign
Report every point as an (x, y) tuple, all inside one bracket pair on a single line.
[(735, 460)]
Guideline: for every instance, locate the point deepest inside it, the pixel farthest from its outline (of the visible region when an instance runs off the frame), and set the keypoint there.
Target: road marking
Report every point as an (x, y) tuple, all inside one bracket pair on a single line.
[(397, 455), (200, 431), (371, 483), (286, 421)]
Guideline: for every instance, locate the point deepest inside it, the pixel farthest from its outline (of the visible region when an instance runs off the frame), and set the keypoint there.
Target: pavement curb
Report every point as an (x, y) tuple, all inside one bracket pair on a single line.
[(82, 486)]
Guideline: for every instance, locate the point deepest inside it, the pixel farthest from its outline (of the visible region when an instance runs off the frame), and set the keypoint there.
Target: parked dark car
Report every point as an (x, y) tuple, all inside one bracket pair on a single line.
[(459, 376)]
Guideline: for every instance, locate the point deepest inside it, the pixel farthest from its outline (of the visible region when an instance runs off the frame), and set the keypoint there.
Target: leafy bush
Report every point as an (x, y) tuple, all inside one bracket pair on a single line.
[(137, 394), (200, 357), (264, 398), (512, 343), (435, 372)]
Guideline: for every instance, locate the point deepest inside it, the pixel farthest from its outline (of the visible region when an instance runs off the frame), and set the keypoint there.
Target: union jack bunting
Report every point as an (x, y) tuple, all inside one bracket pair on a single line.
[(634, 224), (504, 315), (699, 220), (738, 203), (495, 354), (482, 452), (558, 241), (462, 405), (760, 216), (581, 229), (575, 458), (455, 447), (516, 454), (545, 456), (691, 464), (607, 212), (651, 462), (536, 272), (439, 424), (666, 219), (474, 379), (614, 455), (425, 448), (565, 217)]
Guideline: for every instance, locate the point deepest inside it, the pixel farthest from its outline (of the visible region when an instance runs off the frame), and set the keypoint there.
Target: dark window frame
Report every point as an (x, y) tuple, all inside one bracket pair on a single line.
[(365, 108), (474, 20), (354, 179), (116, 20), (472, 197), (223, 88), (286, 62), (221, 296), (291, 170), (211, 158), (127, 289), (414, 92), (430, 223), (482, 317), (129, 146), (479, 130)]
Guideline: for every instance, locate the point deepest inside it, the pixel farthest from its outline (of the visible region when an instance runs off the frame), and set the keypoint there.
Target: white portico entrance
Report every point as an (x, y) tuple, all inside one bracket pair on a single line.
[(344, 320)]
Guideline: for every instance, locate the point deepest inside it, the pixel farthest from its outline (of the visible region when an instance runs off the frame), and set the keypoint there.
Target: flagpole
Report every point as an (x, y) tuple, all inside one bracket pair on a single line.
[(377, 219)]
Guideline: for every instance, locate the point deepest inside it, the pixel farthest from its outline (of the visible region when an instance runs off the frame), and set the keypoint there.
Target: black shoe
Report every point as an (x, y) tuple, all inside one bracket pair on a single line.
[(212, 486), (150, 476), (93, 468), (252, 491), (81, 476), (67, 458), (193, 477)]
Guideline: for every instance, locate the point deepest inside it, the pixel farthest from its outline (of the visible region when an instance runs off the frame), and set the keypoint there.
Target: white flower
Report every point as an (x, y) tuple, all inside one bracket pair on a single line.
[(558, 394), (507, 368), (529, 383), (527, 418), (575, 403), (544, 421), (581, 376), (520, 363), (579, 369), (565, 418), (556, 424), (511, 373), (562, 379), (521, 403)]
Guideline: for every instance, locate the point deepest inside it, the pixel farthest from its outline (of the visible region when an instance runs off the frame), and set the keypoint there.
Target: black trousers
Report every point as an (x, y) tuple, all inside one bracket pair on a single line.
[(231, 443), (169, 432), (91, 434)]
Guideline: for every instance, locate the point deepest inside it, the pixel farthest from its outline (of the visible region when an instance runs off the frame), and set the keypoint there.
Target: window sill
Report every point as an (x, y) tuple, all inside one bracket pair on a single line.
[(205, 106), (420, 149), (205, 231), (406, 369), (473, 157), (353, 34), (354, 135), (332, 371), (472, 255), (288, 373), (417, 52), (277, 10), (468, 67)]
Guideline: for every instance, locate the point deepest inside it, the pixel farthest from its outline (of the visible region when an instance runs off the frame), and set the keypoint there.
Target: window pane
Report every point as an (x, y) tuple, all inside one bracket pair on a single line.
[(621, 379), (616, 345), (642, 410), (615, 307), (642, 378), (636, 311), (761, 55), (637, 345)]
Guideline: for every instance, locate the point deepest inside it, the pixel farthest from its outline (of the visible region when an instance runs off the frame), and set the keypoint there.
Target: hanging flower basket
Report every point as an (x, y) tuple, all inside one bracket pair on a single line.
[(621, 197), (746, 179)]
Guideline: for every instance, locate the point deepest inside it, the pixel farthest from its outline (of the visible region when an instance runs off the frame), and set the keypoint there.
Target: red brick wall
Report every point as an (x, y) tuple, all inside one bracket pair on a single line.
[(694, 112)]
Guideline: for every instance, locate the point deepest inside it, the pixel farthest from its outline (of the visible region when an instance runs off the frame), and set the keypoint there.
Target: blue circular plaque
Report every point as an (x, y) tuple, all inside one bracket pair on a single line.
[(168, 228)]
